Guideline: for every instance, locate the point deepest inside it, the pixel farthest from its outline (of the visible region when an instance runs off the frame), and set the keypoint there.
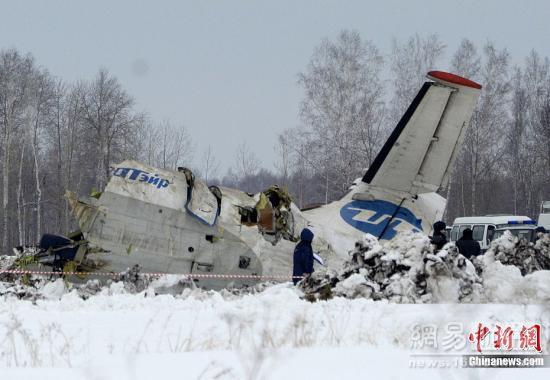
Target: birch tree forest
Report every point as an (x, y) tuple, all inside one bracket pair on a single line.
[(58, 136)]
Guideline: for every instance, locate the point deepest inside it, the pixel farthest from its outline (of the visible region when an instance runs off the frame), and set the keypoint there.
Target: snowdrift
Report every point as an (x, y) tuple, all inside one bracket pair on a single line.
[(115, 333), (407, 270)]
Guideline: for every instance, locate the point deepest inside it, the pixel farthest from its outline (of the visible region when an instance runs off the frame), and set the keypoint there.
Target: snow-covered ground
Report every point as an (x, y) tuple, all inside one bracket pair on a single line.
[(272, 334)]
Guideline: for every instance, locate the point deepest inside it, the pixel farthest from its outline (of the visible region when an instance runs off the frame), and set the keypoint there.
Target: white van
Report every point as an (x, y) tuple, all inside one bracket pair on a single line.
[(487, 228), (544, 217)]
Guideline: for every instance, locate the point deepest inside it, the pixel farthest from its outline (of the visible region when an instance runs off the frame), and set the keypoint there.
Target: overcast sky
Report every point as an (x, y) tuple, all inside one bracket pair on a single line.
[(227, 70)]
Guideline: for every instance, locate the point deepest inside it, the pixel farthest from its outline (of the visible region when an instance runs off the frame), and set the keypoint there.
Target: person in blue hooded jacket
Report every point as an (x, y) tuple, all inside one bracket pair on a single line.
[(303, 256)]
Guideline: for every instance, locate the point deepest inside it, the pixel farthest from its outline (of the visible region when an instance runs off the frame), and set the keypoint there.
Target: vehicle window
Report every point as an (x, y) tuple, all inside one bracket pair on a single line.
[(454, 233), (522, 234), (525, 234), (490, 233), (461, 230), (478, 232)]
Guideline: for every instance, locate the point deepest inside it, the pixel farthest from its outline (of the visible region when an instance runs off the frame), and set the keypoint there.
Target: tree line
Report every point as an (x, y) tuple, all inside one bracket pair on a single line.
[(58, 136)]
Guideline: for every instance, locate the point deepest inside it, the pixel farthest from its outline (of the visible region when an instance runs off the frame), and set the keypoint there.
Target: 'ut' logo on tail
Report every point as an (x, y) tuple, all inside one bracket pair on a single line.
[(373, 216)]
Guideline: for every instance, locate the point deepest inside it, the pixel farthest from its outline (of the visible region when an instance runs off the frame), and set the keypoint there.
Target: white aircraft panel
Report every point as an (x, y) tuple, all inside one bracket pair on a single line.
[(420, 153), (401, 166)]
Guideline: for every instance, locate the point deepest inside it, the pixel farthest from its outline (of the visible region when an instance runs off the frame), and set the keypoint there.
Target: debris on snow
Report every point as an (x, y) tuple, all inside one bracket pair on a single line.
[(404, 270), (516, 271), (6, 262), (132, 281), (20, 290), (528, 257), (407, 270)]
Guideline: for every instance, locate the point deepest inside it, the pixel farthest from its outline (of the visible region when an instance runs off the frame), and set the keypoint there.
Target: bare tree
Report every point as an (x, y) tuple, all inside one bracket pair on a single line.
[(480, 168), (39, 115), (182, 147), (108, 113), (411, 60), (537, 80), (342, 110), (466, 62), (150, 137), (173, 146), (285, 154), (542, 136), (516, 138), (209, 164), (483, 144), (15, 77), (20, 197), (73, 144), (246, 161), (56, 135)]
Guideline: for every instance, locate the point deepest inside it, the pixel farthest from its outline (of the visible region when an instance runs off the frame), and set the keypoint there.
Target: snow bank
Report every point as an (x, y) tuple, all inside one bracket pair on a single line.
[(53, 290), (528, 257), (267, 334), (508, 283), (407, 270)]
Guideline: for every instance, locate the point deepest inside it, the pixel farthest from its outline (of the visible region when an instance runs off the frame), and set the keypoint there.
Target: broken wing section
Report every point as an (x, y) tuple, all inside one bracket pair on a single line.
[(419, 154)]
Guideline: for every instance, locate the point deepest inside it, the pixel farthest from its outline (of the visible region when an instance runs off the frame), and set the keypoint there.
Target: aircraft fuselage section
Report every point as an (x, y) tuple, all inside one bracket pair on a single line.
[(164, 240)]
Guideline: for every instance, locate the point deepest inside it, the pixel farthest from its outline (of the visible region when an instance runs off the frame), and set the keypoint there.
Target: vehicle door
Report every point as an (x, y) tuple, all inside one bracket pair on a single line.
[(479, 235), (461, 230), (454, 233), (490, 235)]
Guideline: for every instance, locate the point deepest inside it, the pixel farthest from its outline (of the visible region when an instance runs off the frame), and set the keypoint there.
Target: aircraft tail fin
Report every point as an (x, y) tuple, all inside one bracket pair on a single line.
[(418, 156)]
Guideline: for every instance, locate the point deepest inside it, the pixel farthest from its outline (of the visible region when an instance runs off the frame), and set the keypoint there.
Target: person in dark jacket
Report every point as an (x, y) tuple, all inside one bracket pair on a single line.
[(303, 256), (439, 239), (467, 246)]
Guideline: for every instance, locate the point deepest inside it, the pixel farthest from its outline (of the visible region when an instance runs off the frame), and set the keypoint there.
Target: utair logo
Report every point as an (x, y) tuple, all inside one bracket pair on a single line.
[(373, 216)]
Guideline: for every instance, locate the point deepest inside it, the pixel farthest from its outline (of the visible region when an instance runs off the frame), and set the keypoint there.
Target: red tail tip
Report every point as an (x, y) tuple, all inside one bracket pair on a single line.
[(455, 79)]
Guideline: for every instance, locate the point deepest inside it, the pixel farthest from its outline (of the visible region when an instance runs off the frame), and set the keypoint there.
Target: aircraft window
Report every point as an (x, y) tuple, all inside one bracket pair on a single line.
[(478, 232), (454, 233), (461, 230)]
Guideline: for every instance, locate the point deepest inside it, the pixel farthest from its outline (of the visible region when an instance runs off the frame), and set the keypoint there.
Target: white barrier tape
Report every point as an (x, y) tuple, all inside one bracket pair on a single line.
[(191, 275)]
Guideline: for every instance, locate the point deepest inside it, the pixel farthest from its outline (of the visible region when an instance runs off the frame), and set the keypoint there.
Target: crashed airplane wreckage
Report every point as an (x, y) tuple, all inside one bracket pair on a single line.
[(170, 222)]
